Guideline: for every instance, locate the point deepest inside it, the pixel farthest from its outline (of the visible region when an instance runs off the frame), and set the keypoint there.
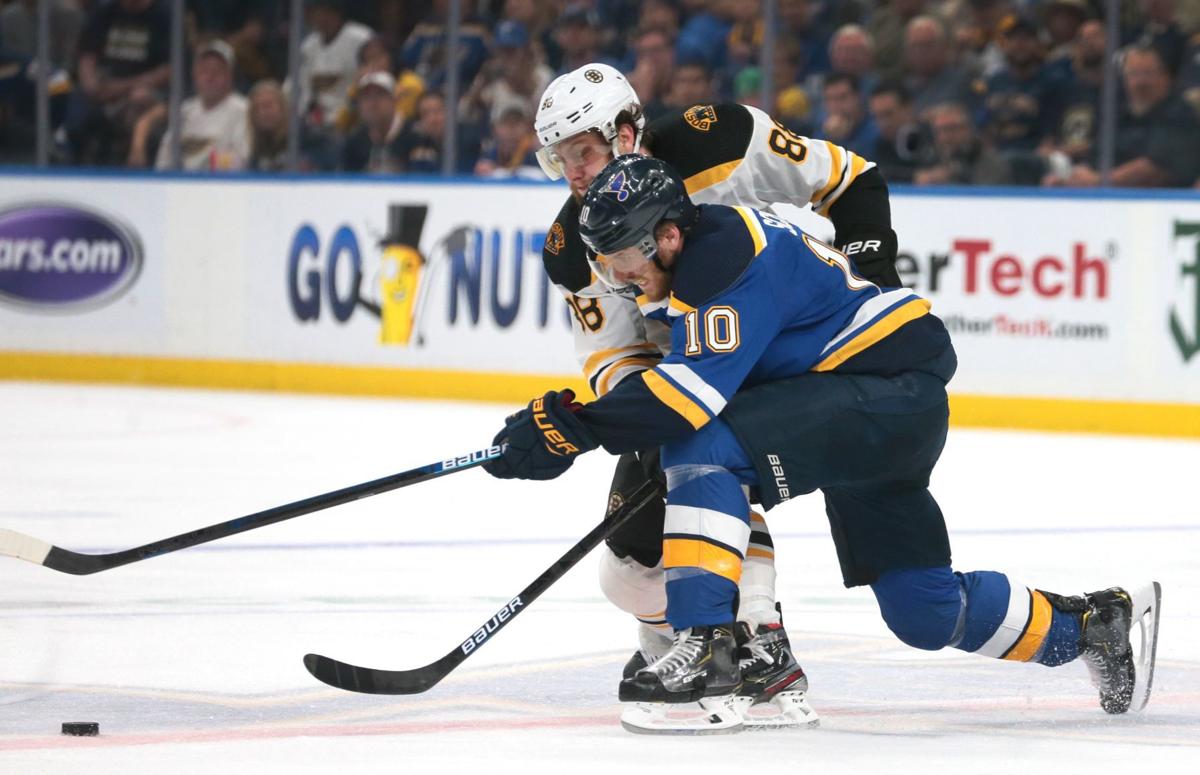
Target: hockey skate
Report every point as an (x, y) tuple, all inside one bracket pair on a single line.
[(689, 690), (774, 692), (1121, 664)]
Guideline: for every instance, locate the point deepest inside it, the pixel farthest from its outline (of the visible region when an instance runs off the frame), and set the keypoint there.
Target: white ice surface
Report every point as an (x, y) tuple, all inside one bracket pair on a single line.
[(191, 662)]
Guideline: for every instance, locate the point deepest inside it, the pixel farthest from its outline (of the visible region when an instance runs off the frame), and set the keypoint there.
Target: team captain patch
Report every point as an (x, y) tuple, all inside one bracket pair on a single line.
[(555, 239), (700, 117)]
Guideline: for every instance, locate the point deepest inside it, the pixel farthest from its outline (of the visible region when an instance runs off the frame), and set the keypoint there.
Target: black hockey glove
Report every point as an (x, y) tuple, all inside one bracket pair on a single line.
[(873, 251), (543, 439)]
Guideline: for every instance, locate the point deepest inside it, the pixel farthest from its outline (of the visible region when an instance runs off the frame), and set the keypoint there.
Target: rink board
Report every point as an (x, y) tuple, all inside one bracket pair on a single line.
[(1069, 312)]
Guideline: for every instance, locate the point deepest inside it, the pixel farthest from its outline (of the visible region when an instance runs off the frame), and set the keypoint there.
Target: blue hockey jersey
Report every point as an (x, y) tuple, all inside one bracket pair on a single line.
[(754, 299)]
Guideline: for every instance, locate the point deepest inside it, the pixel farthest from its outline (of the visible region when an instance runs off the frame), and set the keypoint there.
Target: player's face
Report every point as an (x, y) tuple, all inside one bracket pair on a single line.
[(582, 157), (631, 266)]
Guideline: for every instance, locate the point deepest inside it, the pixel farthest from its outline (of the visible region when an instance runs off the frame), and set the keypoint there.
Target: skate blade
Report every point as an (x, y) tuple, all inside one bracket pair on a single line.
[(709, 716), (1146, 607), (786, 710)]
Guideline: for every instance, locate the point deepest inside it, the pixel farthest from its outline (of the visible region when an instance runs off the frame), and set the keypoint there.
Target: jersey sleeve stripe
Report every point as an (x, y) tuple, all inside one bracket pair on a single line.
[(754, 227), (596, 360), (647, 306), (858, 165), (906, 312), (690, 381), (619, 370), (835, 172), (687, 553), (675, 399), (710, 177)]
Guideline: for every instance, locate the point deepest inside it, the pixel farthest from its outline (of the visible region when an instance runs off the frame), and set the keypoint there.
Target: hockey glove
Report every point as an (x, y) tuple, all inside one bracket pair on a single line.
[(873, 251), (543, 439)]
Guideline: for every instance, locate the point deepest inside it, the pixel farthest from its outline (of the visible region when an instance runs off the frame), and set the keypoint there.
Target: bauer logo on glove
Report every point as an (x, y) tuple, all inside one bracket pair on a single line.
[(543, 439)]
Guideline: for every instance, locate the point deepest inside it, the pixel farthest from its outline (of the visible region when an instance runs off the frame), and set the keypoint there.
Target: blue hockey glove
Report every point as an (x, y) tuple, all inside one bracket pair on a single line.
[(543, 439)]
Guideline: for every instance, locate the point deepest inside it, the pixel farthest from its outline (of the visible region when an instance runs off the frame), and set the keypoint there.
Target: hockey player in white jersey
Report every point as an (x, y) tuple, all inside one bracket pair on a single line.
[(729, 154)]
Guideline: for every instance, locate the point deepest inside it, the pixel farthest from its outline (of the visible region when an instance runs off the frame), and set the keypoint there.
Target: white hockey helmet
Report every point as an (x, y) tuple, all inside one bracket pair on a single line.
[(585, 99)]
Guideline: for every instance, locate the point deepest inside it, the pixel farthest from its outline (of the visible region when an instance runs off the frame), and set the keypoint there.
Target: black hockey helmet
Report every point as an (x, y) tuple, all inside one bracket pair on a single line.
[(628, 199)]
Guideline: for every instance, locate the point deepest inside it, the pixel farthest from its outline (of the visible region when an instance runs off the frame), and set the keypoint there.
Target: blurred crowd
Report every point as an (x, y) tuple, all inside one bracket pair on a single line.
[(934, 91)]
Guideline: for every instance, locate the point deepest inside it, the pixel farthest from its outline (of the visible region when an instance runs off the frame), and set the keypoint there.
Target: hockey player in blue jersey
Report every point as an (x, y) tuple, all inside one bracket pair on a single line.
[(788, 374)]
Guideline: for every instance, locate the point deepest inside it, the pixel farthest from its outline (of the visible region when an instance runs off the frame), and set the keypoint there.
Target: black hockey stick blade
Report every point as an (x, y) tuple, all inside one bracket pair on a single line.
[(372, 681), (33, 550)]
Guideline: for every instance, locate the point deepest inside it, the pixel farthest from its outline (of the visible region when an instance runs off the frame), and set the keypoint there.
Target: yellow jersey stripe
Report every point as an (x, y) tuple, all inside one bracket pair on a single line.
[(755, 551), (835, 172), (857, 164), (755, 229), (595, 359), (872, 334), (1040, 614), (682, 308), (710, 176), (612, 369), (690, 553), (671, 396)]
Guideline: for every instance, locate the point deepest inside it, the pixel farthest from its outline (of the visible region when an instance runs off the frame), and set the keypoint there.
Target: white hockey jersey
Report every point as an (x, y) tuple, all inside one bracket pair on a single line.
[(726, 154)]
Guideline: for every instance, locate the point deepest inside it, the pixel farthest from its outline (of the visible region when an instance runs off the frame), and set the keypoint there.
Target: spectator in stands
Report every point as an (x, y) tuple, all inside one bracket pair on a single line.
[(691, 84), (846, 120), (654, 64), (1023, 100), (376, 57), (930, 76), (889, 28), (799, 24), (1189, 74), (902, 144), (960, 154), (1063, 19), (269, 130), (18, 30), (515, 75), (1156, 130), (659, 14), (242, 24), (374, 146), (745, 38), (511, 149), (421, 142), (215, 134), (704, 35), (578, 36), (18, 106), (122, 68), (978, 33), (329, 62), (1075, 135), (851, 51), (1162, 32), (425, 49)]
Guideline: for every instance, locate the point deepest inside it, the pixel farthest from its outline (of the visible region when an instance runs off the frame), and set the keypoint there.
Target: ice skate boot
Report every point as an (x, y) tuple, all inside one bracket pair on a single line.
[(653, 643), (689, 690), (774, 690), (1123, 674)]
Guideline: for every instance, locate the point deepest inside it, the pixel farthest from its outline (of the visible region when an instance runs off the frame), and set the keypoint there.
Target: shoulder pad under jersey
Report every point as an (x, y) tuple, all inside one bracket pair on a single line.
[(716, 251), (701, 137), (564, 255)]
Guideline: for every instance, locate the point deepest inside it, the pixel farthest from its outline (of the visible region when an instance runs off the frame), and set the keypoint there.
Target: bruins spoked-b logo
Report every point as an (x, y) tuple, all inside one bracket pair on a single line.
[(700, 117), (1188, 341), (595, 76), (556, 239)]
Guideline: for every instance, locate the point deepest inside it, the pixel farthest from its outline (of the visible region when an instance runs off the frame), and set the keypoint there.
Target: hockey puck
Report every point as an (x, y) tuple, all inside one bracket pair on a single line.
[(81, 728)]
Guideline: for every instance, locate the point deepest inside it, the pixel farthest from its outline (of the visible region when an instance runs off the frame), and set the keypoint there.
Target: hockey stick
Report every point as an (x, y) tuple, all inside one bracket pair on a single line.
[(25, 547), (371, 681)]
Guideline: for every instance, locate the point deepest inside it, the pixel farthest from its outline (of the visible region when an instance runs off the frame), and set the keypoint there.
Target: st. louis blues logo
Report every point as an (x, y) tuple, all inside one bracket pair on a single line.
[(617, 186)]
